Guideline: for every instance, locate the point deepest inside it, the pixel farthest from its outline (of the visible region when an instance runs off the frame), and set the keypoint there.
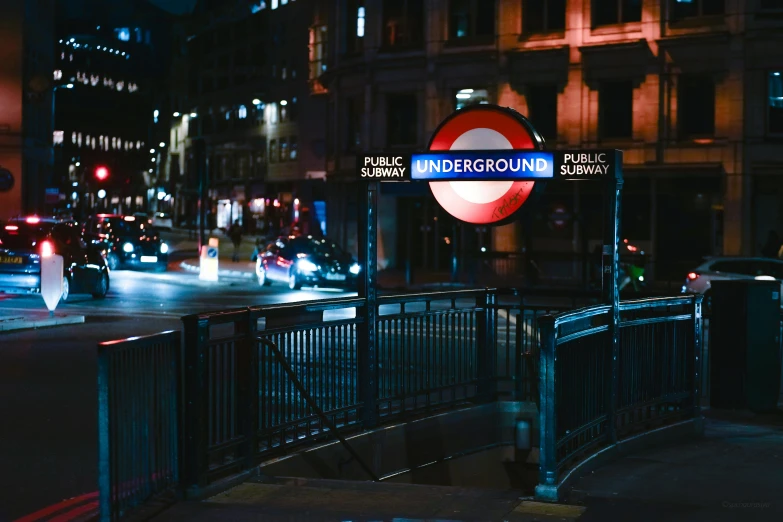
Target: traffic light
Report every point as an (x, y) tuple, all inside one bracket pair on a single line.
[(101, 173)]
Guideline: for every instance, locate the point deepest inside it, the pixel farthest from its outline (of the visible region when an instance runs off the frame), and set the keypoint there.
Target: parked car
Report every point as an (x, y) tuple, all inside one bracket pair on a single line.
[(162, 220), (129, 241), (699, 280), (24, 241), (306, 261)]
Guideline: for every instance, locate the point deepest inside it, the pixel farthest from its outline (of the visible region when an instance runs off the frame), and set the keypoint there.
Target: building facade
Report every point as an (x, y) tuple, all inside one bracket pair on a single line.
[(692, 92), (246, 98), (26, 62), (111, 107)]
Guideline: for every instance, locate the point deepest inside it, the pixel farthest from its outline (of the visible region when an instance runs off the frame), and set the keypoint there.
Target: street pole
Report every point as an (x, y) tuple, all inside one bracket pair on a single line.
[(368, 290), (201, 169)]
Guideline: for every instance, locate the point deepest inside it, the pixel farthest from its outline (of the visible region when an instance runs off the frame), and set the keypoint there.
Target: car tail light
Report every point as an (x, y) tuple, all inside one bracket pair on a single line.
[(693, 276), (11, 228), (47, 250), (33, 220)]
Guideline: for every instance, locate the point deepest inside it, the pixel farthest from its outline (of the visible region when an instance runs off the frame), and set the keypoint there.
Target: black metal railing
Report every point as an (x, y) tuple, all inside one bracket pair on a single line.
[(259, 382), (593, 393), (138, 416)]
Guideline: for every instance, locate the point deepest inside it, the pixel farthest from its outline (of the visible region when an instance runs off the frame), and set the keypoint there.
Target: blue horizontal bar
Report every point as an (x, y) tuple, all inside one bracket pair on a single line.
[(493, 165)]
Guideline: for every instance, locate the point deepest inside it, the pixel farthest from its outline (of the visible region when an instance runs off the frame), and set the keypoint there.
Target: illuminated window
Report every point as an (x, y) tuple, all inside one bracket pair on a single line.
[(292, 153), (57, 138), (317, 58), (283, 149), (272, 151), (58, 74), (274, 4), (123, 34), (258, 7), (360, 22), (775, 106), (242, 112), (608, 12), (543, 16), (466, 97)]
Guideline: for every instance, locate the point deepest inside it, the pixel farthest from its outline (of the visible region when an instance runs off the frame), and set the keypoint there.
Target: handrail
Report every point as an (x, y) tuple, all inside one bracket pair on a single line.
[(292, 375)]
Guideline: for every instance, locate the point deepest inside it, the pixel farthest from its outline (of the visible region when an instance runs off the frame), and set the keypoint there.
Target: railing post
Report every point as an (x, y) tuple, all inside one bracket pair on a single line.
[(106, 502), (247, 362), (547, 413), (194, 462), (698, 332), (368, 261), (486, 345)]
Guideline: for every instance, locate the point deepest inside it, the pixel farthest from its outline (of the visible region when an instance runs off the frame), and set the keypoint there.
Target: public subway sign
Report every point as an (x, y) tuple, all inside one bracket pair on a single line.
[(483, 162), (492, 165)]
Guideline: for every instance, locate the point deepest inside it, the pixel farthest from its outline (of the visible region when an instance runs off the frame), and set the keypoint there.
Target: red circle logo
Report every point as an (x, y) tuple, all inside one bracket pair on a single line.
[(484, 127)]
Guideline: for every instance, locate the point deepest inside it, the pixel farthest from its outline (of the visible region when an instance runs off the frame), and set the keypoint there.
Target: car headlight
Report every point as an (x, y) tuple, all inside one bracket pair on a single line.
[(355, 268), (127, 247), (306, 266), (164, 248)]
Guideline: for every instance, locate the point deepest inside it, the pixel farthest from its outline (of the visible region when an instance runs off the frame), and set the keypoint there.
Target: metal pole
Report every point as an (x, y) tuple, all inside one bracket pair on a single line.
[(611, 293), (454, 255), (201, 169), (368, 260), (408, 246)]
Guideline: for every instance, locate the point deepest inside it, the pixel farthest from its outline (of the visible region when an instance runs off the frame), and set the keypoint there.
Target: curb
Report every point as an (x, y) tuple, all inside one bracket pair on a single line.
[(20, 323), (233, 274)]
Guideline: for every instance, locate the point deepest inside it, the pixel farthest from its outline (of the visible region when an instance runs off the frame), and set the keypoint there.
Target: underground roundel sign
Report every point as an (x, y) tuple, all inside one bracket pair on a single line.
[(484, 127)]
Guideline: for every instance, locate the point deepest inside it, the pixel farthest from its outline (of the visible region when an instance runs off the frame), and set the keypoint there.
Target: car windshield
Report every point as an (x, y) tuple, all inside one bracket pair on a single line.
[(318, 247), (124, 227), (23, 235)]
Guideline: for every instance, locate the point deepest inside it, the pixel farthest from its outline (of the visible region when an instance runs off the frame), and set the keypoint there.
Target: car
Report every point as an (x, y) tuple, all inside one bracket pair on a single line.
[(306, 261), (699, 280), (162, 220), (23, 241), (129, 241)]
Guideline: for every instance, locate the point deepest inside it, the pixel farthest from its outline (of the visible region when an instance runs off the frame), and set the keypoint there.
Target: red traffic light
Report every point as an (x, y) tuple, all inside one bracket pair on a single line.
[(101, 173)]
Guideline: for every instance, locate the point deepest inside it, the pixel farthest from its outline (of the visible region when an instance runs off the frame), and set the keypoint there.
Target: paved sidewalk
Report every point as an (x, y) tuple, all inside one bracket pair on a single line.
[(730, 474), (332, 500), (36, 319)]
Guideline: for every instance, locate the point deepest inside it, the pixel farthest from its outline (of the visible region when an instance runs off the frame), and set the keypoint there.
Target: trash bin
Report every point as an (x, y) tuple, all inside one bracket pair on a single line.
[(745, 345)]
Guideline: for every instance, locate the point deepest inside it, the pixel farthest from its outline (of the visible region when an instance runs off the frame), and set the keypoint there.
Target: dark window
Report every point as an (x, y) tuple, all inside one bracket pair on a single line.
[(272, 151), (401, 119), (354, 26), (542, 109), (353, 123), (294, 148), (403, 24), (696, 106), (283, 149), (471, 19), (694, 8), (607, 12), (615, 106), (293, 110), (772, 4), (775, 104), (543, 16)]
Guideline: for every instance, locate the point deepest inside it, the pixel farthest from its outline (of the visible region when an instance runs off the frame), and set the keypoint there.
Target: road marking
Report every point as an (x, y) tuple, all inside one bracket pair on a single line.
[(40, 514)]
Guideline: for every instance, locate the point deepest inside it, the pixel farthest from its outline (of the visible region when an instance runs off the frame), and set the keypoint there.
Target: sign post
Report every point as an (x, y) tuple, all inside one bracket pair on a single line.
[(368, 284), (482, 164)]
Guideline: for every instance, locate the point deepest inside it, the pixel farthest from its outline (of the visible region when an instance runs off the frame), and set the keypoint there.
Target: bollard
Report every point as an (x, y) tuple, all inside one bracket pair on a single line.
[(208, 262), (51, 277)]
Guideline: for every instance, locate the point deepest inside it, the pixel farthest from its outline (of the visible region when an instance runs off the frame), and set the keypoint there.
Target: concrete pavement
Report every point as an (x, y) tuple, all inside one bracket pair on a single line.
[(36, 319), (731, 474)]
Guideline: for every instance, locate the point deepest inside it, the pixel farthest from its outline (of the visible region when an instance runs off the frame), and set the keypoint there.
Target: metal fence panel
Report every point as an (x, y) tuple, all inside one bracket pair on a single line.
[(138, 415)]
